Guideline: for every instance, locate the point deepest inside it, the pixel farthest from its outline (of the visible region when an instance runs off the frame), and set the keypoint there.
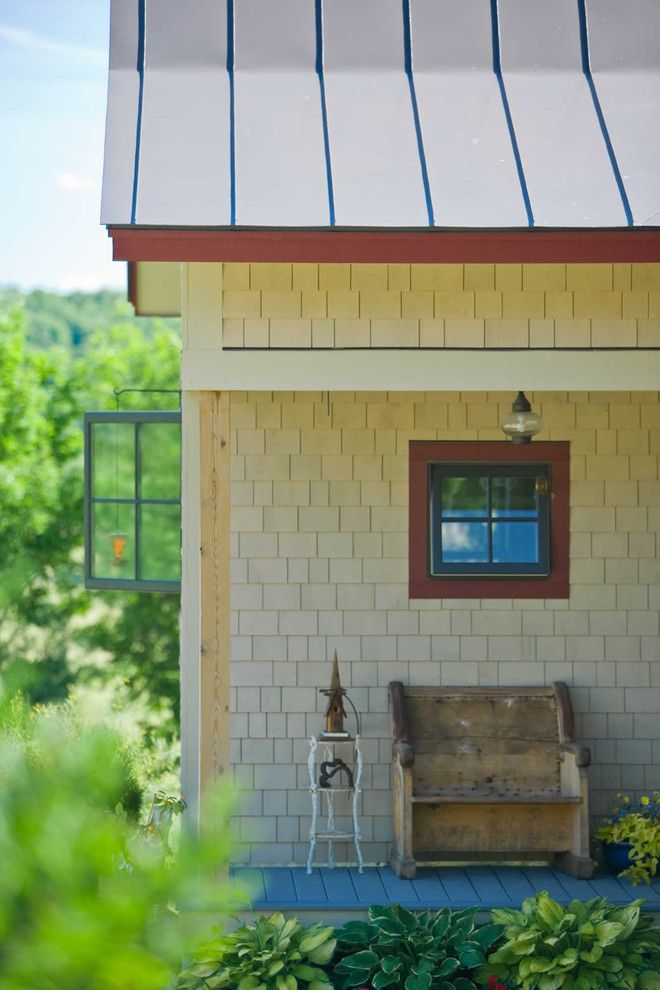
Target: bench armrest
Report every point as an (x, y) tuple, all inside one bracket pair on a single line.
[(404, 753), (582, 754)]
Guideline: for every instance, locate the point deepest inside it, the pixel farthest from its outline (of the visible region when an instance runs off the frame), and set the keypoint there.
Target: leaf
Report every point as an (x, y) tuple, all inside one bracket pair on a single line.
[(324, 953), (550, 913), (356, 932), (382, 979), (356, 978), (649, 980), (441, 923), (313, 940), (308, 973), (423, 965), (320, 985), (608, 932), (390, 964), (418, 982), (387, 921), (462, 984), (487, 935), (447, 967), (359, 960), (470, 958)]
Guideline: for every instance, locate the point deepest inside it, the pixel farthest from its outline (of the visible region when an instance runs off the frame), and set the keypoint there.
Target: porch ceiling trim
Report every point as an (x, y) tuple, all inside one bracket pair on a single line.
[(384, 246), (420, 370)]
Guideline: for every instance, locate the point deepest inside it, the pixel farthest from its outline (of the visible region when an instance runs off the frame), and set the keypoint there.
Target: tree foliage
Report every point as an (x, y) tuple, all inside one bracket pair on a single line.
[(52, 630)]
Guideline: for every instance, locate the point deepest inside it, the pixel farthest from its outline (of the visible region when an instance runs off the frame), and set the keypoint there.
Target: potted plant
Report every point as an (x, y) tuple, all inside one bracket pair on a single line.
[(631, 837)]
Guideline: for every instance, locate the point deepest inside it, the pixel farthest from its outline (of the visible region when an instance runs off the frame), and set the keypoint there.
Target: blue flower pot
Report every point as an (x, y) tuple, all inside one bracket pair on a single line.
[(617, 856)]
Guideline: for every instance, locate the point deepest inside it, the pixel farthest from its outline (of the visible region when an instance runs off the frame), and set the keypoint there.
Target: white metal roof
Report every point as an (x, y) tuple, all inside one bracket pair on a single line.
[(383, 113)]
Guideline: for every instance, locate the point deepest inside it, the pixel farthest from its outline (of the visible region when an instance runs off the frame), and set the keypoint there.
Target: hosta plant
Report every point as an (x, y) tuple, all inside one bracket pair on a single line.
[(586, 946), (270, 954), (406, 951), (636, 823)]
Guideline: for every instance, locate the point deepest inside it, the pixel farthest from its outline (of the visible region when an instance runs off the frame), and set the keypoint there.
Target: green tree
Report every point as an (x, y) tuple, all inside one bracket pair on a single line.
[(49, 622)]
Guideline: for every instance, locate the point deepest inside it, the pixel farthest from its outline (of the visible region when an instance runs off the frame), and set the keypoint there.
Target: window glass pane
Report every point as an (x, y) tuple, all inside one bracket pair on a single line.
[(515, 543), (514, 496), (464, 497), (113, 540), (113, 460), (464, 543), (160, 543), (160, 460)]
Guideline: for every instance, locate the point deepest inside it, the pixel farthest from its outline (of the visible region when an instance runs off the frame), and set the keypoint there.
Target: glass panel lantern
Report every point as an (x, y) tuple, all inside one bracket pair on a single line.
[(133, 501)]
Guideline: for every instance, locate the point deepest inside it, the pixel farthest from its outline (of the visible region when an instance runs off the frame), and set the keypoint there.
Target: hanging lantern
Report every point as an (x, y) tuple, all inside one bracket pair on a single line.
[(522, 423), (118, 544), (133, 500)]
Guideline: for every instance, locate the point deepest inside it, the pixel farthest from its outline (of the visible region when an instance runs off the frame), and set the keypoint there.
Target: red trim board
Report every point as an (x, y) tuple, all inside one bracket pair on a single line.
[(380, 246)]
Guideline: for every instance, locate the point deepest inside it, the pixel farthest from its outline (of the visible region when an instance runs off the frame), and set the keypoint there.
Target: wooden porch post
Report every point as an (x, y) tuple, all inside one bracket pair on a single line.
[(215, 577), (204, 648)]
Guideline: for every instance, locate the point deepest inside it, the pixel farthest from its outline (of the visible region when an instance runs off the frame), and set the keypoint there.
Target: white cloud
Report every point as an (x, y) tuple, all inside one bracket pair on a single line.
[(24, 38), (74, 183)]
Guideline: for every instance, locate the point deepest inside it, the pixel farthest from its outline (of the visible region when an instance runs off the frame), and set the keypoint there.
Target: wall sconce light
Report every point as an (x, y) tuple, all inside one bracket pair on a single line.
[(522, 423)]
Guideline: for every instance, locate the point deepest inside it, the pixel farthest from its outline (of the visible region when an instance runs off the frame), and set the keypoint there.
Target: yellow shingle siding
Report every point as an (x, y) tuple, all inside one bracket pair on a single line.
[(436, 306)]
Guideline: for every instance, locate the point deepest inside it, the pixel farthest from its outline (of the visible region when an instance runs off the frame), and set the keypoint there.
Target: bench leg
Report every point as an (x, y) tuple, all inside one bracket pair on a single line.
[(402, 866), (576, 866)]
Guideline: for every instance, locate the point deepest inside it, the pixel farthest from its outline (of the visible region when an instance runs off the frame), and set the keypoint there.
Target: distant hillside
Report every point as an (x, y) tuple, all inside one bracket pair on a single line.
[(67, 320)]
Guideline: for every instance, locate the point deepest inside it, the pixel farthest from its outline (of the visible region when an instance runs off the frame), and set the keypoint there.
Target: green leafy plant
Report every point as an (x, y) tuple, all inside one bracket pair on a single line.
[(69, 917), (637, 823), (406, 951), (270, 954), (587, 946)]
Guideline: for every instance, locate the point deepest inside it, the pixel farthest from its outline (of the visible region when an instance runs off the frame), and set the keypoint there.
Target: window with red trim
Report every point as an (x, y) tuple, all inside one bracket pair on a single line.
[(489, 519)]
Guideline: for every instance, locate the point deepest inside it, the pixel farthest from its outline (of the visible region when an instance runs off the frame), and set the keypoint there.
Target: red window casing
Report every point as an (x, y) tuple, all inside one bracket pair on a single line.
[(422, 585)]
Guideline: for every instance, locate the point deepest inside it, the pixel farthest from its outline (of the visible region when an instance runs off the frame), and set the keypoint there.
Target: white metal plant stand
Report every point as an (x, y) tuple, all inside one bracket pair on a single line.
[(330, 833)]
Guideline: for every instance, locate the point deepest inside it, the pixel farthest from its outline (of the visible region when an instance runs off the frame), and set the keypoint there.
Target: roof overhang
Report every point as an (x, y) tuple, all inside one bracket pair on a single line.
[(163, 244), (434, 126)]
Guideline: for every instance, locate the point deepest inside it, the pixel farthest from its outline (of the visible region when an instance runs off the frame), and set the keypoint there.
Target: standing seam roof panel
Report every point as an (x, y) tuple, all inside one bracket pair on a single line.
[(624, 42), (122, 114), (569, 175), (472, 170), (184, 166), (376, 166), (280, 156)]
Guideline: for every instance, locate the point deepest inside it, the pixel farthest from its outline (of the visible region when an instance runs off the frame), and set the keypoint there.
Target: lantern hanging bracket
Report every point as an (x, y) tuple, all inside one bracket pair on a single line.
[(122, 391)]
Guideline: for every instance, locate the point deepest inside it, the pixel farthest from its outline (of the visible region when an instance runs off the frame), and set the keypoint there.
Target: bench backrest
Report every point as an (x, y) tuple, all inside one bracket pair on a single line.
[(484, 740)]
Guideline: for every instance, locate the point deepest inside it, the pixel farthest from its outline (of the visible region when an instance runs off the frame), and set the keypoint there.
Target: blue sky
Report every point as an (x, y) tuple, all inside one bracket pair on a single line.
[(53, 78)]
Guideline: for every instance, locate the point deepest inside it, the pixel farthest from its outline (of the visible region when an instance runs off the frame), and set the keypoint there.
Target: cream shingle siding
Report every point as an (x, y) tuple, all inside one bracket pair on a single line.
[(456, 306), (319, 534)]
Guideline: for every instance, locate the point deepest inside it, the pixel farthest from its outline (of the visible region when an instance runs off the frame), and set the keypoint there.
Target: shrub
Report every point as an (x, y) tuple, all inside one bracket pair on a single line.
[(269, 954), (406, 951), (67, 919), (587, 946)]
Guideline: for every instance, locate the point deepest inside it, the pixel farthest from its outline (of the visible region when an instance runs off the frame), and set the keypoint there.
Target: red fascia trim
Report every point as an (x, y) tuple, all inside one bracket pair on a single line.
[(421, 585), (382, 247)]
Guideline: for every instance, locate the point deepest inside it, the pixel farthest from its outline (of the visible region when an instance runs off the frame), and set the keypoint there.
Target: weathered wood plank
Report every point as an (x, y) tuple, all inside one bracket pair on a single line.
[(214, 586)]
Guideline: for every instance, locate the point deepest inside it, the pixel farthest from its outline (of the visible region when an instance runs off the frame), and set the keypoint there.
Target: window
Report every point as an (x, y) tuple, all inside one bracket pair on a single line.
[(488, 520), (133, 500)]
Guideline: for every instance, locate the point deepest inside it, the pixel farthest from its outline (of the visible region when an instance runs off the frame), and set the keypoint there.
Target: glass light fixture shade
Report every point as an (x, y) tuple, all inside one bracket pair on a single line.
[(522, 423)]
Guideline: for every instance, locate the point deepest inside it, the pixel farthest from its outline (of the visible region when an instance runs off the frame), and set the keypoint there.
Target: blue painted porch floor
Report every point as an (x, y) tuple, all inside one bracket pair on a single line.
[(344, 889)]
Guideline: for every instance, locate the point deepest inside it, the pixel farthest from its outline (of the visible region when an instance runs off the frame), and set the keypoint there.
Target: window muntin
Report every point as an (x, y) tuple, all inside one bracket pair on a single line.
[(488, 519)]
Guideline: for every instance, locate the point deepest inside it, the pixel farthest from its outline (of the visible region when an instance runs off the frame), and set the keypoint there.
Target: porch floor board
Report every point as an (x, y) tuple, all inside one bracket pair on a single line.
[(344, 889)]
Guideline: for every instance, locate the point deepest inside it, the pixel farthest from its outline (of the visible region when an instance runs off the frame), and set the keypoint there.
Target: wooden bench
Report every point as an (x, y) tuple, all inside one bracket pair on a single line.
[(488, 774)]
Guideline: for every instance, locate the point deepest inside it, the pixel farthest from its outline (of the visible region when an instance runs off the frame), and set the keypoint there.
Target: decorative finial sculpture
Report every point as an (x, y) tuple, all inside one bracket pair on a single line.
[(335, 712)]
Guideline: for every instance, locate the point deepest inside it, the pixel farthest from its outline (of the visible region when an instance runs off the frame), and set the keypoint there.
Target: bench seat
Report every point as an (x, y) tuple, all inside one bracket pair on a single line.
[(488, 773)]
